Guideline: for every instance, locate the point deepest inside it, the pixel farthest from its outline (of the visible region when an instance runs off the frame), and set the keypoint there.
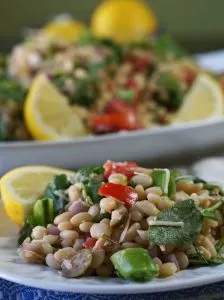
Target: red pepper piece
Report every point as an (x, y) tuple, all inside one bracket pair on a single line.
[(113, 122), (189, 76), (124, 194), (117, 105), (125, 168), (89, 243)]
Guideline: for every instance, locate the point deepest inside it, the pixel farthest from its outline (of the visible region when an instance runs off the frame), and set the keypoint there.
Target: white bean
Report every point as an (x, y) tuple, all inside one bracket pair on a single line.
[(99, 229), (81, 217), (108, 204), (66, 216)]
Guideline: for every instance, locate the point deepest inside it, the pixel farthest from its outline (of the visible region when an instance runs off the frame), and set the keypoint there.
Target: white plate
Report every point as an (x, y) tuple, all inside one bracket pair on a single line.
[(149, 145), (11, 268)]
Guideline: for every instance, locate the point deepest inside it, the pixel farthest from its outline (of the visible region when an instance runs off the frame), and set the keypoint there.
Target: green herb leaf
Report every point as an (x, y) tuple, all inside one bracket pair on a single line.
[(210, 211), (185, 212), (26, 229), (55, 190), (90, 192), (199, 259), (173, 87), (84, 174), (11, 90), (127, 95), (166, 47), (219, 245)]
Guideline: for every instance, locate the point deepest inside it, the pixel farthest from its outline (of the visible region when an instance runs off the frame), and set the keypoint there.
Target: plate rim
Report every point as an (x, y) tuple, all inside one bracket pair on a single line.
[(124, 135), (131, 288)]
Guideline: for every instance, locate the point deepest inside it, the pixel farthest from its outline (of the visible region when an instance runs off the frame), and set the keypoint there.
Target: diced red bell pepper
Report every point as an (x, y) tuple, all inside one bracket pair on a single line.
[(122, 193), (141, 63), (89, 243), (112, 122), (117, 105), (125, 168), (189, 76)]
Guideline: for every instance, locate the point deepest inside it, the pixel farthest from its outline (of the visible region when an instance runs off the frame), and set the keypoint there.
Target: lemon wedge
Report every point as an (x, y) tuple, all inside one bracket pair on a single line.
[(63, 29), (21, 187), (48, 115), (123, 21), (205, 100)]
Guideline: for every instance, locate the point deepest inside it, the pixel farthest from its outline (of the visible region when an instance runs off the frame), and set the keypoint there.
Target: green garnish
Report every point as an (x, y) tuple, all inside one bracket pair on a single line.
[(185, 212), (127, 95)]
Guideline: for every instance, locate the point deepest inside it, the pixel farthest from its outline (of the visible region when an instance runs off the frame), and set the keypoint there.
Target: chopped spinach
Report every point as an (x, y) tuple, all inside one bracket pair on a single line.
[(26, 229), (219, 245), (84, 174), (174, 91), (11, 90), (54, 191), (85, 92), (199, 259), (210, 211), (48, 207), (185, 212), (91, 184)]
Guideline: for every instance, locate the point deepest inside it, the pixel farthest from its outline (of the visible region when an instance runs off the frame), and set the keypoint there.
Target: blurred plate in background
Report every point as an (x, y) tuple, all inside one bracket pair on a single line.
[(156, 146)]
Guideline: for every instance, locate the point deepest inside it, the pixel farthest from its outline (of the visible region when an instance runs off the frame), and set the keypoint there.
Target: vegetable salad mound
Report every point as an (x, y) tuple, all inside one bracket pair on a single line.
[(124, 220), (111, 87)]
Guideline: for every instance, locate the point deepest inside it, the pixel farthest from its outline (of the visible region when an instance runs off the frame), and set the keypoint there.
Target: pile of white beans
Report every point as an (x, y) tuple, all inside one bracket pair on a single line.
[(61, 245)]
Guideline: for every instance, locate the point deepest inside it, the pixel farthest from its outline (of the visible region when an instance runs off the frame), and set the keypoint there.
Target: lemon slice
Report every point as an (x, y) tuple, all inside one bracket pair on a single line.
[(63, 28), (123, 21), (205, 100), (21, 187), (48, 115)]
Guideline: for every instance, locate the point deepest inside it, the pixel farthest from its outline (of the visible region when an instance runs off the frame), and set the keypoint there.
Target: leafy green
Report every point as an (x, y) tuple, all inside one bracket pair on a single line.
[(166, 47), (219, 245), (50, 205), (84, 174), (53, 191), (85, 92), (91, 191), (26, 229), (11, 90), (173, 87), (88, 176), (185, 212), (210, 211), (199, 259), (126, 94)]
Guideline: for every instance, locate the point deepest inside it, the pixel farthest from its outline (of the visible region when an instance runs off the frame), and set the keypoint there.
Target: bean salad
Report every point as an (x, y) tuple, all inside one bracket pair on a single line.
[(121, 219)]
